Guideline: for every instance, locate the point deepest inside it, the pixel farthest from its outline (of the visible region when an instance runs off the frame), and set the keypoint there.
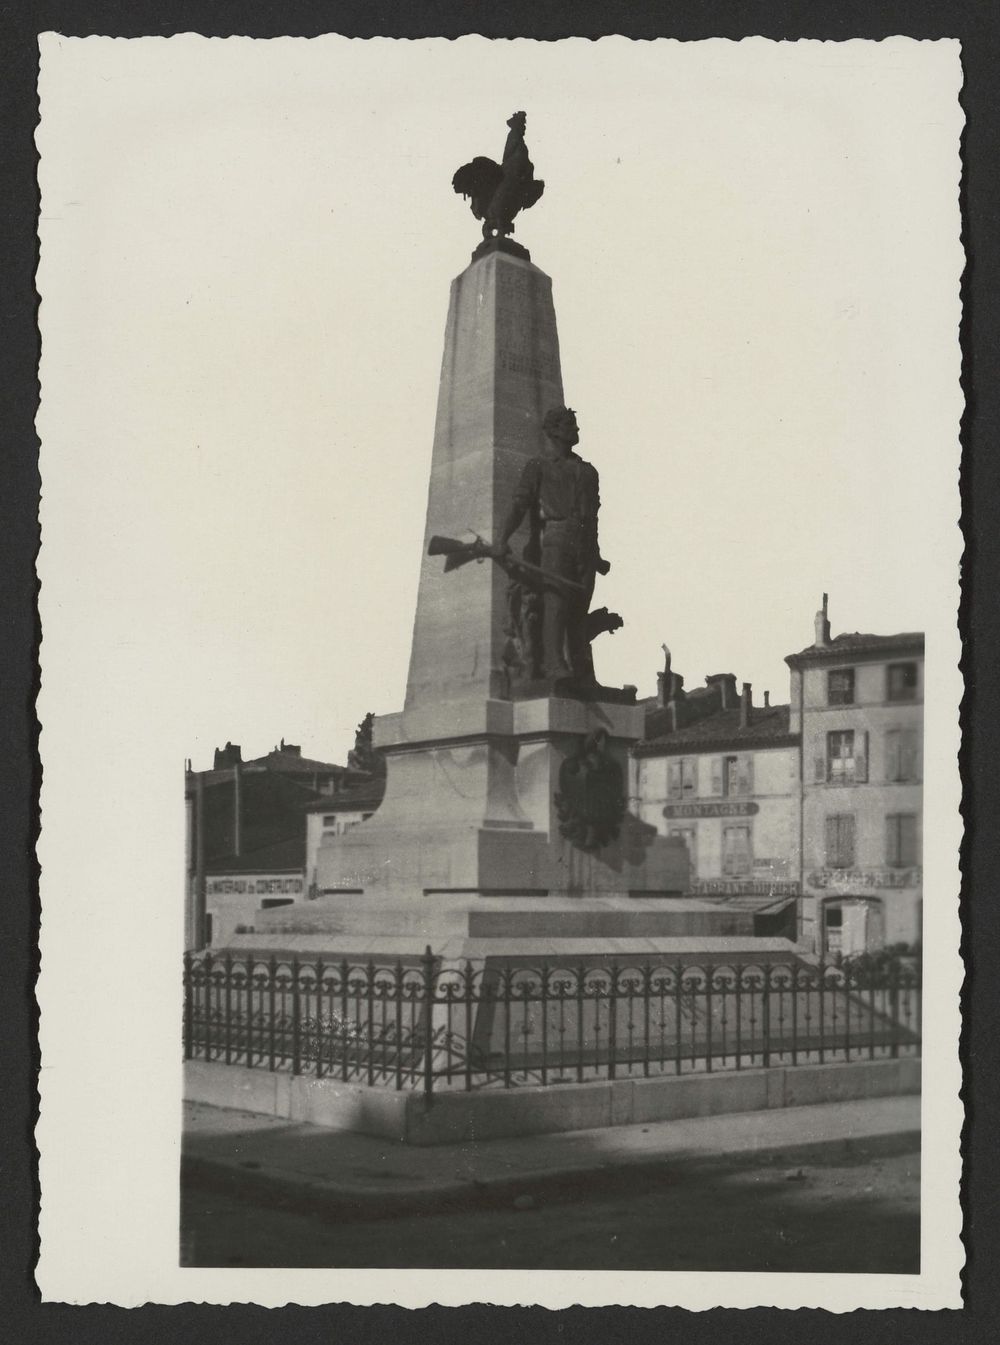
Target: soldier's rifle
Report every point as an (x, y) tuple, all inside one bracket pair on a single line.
[(457, 553)]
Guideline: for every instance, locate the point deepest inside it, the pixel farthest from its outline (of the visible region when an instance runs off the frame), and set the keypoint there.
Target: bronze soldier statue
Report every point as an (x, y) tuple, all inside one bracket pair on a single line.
[(560, 494)]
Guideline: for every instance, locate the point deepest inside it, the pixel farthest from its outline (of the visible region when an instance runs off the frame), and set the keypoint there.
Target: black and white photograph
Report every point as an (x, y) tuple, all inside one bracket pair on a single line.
[(499, 588)]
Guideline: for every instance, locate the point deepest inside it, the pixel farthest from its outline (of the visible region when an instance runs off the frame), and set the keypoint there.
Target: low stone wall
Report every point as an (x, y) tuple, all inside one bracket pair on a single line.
[(453, 1117)]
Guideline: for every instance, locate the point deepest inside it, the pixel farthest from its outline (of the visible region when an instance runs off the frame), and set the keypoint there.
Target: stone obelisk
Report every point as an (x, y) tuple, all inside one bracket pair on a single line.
[(499, 376), (452, 794)]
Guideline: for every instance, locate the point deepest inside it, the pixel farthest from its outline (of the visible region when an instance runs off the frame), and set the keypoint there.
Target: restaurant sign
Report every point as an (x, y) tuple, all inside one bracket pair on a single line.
[(743, 887), (727, 809), (850, 880)]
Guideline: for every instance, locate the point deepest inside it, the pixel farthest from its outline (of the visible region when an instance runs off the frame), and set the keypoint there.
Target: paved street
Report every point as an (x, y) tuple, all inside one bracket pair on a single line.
[(857, 1211)]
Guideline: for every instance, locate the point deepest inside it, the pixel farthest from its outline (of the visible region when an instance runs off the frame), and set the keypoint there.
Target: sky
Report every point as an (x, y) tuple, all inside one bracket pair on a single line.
[(247, 249)]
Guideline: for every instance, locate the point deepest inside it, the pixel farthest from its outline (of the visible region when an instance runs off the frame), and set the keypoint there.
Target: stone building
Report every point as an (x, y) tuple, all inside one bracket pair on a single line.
[(721, 774), (857, 704), (818, 800), (251, 855)]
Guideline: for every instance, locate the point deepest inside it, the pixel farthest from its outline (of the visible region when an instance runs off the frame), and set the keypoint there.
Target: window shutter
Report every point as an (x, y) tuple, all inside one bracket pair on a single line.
[(891, 835), (746, 775), (673, 779), (832, 847), (908, 839), (861, 757), (893, 755), (847, 840), (911, 755), (819, 769), (716, 775)]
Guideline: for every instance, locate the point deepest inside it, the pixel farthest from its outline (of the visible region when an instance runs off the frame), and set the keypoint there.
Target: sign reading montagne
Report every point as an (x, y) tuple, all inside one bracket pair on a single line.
[(730, 808)]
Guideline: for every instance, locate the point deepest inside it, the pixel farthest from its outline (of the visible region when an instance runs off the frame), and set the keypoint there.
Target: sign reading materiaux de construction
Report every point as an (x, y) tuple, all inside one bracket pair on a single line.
[(729, 808), (254, 885)]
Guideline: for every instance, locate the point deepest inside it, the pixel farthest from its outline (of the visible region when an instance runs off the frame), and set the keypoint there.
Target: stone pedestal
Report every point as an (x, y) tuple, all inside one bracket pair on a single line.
[(470, 808)]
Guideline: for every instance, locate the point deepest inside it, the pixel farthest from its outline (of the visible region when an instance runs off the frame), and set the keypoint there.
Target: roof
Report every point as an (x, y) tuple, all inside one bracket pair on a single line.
[(366, 794), (291, 763), (270, 811), (768, 727), (855, 644), (289, 853)]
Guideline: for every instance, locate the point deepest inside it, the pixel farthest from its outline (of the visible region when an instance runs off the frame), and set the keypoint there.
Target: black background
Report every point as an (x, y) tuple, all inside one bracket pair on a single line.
[(22, 1316)]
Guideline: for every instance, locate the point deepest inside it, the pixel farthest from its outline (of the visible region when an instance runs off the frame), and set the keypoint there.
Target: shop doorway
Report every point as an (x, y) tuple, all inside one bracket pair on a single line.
[(852, 925)]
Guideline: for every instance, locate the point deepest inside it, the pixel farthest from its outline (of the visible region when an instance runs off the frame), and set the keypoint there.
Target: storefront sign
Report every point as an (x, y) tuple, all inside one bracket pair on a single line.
[(727, 809), (743, 887), (254, 885), (849, 880)]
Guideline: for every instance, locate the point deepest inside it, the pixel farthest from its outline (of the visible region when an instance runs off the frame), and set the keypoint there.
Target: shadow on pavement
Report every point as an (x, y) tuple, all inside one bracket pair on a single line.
[(844, 1206)]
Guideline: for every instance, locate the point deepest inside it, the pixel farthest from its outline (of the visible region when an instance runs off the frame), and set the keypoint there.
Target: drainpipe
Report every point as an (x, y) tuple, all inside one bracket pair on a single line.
[(238, 808), (199, 862), (802, 809)]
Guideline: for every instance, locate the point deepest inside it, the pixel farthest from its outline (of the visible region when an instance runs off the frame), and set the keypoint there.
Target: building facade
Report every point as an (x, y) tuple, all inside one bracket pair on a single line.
[(818, 800), (722, 775), (248, 836), (857, 701)]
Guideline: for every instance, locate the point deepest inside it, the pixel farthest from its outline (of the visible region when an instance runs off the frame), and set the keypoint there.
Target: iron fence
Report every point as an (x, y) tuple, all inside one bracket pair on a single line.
[(424, 1025)]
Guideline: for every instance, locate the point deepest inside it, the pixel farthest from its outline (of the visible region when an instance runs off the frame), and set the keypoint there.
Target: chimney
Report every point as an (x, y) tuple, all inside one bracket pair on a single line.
[(664, 681), (227, 757), (726, 682), (822, 627), (746, 706), (767, 700)]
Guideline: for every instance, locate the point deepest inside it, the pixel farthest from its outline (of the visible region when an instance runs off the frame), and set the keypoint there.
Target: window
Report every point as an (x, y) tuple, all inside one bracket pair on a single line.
[(901, 682), (902, 755), (840, 841), (840, 755), (840, 686), (682, 778), (737, 856), (901, 840), (846, 760), (738, 775)]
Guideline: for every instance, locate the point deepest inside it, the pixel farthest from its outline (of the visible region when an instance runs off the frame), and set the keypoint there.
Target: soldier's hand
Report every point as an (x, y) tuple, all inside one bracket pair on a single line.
[(602, 566)]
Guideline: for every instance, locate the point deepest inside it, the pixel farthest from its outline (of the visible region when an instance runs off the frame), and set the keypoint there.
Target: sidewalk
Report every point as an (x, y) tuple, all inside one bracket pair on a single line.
[(360, 1176)]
